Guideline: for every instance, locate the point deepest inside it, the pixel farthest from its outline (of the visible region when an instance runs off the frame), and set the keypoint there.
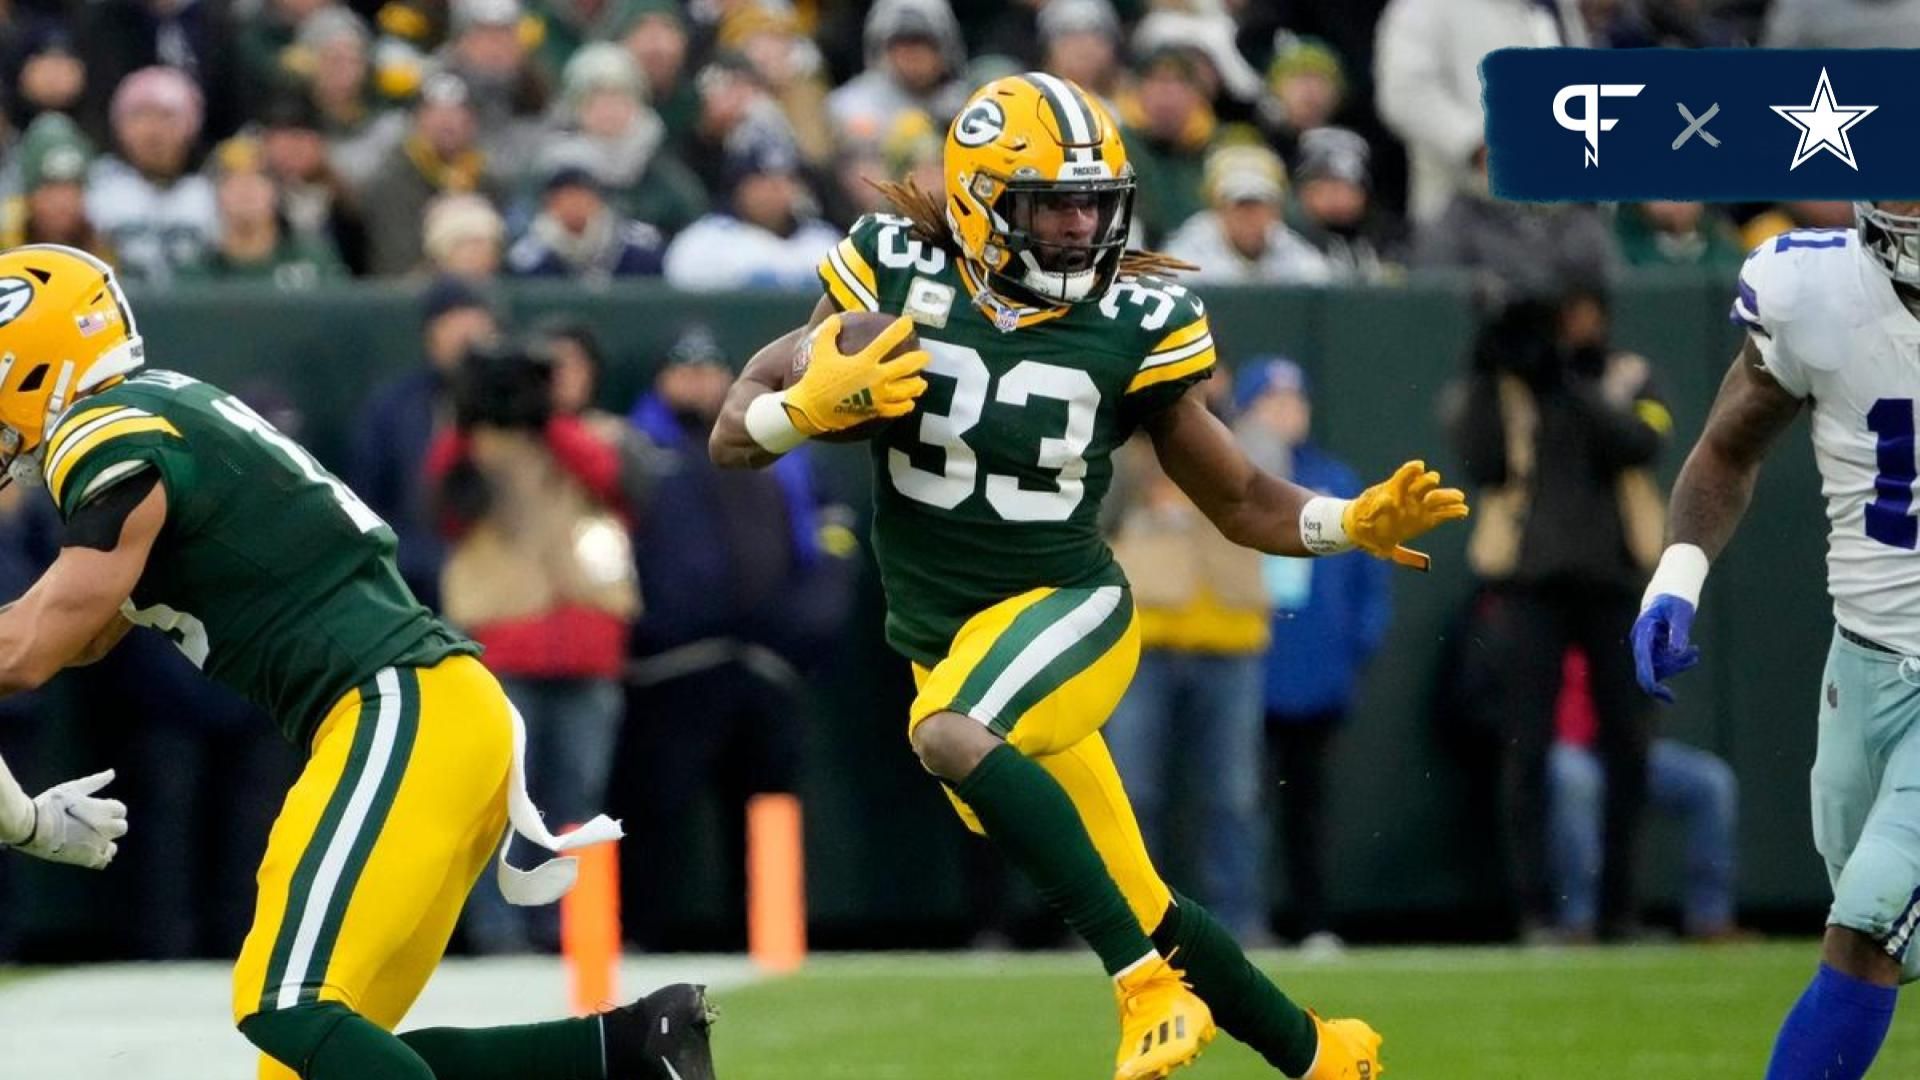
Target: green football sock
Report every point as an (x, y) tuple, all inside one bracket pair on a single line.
[(328, 1041), (555, 1050), (1244, 1001), (1030, 818)]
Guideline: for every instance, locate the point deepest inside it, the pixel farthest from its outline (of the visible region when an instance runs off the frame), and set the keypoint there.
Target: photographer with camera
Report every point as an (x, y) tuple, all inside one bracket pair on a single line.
[(532, 498), (1559, 431)]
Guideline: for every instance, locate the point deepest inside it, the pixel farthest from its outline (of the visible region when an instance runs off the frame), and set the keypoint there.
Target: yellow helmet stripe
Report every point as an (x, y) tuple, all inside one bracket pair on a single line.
[(1194, 364), (82, 421), (57, 478)]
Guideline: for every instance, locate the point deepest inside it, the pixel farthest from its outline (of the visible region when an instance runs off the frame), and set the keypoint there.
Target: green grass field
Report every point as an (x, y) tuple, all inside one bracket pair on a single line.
[(1448, 1014)]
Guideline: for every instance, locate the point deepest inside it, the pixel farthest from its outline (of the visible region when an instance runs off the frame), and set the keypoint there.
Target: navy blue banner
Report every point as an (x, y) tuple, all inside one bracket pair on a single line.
[(1597, 125)]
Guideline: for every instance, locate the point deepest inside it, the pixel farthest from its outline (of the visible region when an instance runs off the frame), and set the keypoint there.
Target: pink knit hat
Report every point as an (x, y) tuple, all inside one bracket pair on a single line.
[(159, 87)]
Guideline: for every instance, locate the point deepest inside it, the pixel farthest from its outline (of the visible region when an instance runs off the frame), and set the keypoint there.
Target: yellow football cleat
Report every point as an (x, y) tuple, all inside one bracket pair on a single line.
[(1163, 1024), (1349, 1050)]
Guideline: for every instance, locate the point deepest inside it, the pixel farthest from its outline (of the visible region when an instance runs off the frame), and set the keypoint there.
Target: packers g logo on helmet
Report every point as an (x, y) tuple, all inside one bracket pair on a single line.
[(65, 329), (980, 123), (15, 295), (1025, 150)]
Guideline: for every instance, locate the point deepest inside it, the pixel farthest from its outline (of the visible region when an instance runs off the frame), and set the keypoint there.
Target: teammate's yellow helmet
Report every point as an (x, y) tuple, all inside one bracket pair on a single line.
[(65, 328), (1021, 142)]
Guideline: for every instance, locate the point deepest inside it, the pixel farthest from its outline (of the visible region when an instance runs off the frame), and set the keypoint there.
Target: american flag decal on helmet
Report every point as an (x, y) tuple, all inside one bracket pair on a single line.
[(92, 322)]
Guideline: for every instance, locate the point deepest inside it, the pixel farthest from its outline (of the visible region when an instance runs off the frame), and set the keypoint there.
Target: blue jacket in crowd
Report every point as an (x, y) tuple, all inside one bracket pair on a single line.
[(733, 554), (1329, 614)]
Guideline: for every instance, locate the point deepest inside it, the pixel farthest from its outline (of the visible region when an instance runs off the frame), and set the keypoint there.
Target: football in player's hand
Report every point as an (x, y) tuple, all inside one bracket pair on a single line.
[(857, 331)]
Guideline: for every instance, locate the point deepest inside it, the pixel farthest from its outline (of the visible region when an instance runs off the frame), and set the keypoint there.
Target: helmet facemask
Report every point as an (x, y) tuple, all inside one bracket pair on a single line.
[(1063, 272), (1893, 240)]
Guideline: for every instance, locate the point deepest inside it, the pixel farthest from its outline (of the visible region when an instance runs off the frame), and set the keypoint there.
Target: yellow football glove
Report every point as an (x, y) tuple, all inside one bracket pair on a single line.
[(838, 391), (1396, 510)]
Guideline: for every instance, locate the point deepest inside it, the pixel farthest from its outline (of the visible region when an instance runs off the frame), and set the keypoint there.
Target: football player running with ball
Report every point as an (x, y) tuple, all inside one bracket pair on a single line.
[(1044, 345), (186, 512), (1831, 324)]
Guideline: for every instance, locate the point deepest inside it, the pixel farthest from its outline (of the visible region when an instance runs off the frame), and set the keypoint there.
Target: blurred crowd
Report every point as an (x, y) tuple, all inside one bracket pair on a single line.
[(724, 143)]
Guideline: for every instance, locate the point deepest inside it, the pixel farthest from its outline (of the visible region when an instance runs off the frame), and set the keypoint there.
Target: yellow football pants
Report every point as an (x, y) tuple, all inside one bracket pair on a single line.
[(1044, 670), (400, 807)]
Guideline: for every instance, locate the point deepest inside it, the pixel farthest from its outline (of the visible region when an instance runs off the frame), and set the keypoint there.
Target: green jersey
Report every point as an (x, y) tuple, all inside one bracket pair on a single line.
[(992, 486), (270, 575)]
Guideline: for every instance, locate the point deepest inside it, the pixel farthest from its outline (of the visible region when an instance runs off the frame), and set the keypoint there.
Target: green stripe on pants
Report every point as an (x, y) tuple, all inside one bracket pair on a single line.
[(1033, 649), (300, 888), (1077, 658), (408, 726)]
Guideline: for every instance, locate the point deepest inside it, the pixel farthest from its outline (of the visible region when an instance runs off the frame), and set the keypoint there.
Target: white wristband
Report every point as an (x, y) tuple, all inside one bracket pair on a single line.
[(1682, 571), (769, 425), (1321, 530)]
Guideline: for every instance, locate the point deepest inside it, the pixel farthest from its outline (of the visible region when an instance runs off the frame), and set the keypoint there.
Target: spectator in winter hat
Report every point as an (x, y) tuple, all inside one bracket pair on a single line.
[(254, 242), (490, 49), (1080, 41), (603, 124), (769, 236), (914, 53), (316, 200), (1306, 85), (577, 235), (1244, 238), (332, 62), (790, 66), (156, 214), (656, 38), (1171, 126), (439, 155), (463, 236), (1336, 210), (38, 69), (52, 205)]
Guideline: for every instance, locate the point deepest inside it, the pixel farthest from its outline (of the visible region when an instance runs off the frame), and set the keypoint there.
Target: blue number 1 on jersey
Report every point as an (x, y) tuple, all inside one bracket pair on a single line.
[(1890, 517)]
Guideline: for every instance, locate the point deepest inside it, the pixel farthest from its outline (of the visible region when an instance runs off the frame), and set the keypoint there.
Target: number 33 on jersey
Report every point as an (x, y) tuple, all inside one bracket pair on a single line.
[(995, 480)]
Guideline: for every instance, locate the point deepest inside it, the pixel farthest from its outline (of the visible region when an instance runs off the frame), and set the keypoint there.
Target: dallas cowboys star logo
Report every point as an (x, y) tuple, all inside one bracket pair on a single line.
[(1823, 125)]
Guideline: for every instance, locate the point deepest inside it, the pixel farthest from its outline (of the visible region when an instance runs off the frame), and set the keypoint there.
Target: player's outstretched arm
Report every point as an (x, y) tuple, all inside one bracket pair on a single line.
[(66, 824), (1709, 499), (1259, 510), (73, 607)]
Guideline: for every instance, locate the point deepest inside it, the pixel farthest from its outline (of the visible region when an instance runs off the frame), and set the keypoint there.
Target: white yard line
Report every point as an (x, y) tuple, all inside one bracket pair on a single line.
[(170, 1021)]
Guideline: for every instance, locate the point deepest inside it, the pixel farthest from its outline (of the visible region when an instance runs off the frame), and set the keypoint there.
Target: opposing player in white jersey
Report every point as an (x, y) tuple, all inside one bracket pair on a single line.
[(1833, 324)]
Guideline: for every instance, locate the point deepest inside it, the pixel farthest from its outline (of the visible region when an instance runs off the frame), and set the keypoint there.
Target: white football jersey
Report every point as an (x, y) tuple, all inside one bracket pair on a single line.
[(1830, 328)]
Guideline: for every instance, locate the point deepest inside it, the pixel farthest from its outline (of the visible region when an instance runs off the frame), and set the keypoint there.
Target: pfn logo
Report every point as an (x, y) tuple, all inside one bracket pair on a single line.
[(1589, 122)]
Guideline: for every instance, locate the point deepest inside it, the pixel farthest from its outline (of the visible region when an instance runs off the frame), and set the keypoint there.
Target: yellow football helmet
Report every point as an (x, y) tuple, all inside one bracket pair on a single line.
[(1034, 143), (65, 328)]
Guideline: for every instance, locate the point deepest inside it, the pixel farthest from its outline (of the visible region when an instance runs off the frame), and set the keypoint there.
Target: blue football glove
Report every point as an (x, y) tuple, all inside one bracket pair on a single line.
[(1660, 647)]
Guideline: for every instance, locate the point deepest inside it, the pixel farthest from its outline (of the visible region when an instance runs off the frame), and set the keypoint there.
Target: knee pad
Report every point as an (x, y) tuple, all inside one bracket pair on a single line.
[(293, 1036)]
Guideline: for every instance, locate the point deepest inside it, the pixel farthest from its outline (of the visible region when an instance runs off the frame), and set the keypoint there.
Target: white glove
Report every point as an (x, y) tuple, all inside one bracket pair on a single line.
[(71, 826)]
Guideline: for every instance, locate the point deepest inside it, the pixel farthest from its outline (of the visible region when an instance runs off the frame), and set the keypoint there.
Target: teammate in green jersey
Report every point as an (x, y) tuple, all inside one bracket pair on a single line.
[(186, 512), (1044, 345)]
